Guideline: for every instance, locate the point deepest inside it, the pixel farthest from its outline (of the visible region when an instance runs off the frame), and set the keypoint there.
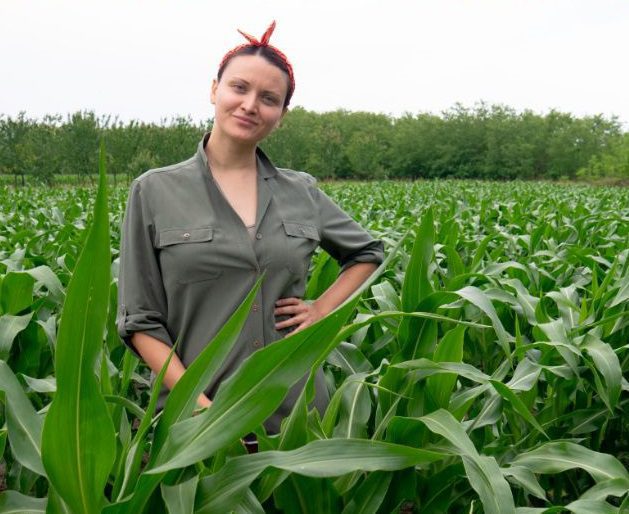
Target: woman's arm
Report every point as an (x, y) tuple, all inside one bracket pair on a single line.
[(305, 314), (155, 352)]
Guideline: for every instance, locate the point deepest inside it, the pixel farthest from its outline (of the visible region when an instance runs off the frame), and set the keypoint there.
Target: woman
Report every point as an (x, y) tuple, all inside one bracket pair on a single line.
[(197, 235)]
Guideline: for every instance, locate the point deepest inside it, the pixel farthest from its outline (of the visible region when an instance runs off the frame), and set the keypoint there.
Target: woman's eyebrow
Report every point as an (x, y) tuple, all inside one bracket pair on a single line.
[(248, 83)]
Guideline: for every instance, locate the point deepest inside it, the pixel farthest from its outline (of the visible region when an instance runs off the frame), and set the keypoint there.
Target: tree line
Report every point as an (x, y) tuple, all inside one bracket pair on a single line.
[(484, 142)]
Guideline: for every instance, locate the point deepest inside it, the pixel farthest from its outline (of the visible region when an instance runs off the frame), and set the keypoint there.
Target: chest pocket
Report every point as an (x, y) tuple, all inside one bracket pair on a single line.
[(186, 255), (173, 236), (301, 240)]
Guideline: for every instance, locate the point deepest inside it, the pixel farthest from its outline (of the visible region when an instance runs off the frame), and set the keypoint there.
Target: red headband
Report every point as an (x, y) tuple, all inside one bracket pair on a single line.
[(264, 41)]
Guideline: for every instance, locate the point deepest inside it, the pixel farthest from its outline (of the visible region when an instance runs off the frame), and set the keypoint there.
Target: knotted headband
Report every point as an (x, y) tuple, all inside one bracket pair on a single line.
[(262, 42)]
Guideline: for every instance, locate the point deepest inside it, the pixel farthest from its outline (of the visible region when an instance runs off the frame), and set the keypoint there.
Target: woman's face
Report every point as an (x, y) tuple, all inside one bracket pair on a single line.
[(249, 98)]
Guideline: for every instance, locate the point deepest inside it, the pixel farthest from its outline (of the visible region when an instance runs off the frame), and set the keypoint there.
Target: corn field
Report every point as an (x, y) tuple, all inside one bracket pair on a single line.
[(480, 370)]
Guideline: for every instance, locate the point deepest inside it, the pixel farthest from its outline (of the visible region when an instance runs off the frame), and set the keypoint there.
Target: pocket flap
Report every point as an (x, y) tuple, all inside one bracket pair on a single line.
[(173, 236), (301, 230)]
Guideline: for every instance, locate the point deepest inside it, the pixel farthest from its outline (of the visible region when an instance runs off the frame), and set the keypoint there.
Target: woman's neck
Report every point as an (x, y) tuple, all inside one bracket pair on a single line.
[(227, 154)]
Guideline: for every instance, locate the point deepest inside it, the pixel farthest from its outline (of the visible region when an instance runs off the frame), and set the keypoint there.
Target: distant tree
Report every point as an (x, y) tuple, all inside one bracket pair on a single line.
[(80, 137), (16, 156), (613, 163), (483, 141)]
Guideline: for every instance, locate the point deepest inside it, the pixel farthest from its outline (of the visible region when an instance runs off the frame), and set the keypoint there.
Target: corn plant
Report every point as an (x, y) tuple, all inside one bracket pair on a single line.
[(481, 369)]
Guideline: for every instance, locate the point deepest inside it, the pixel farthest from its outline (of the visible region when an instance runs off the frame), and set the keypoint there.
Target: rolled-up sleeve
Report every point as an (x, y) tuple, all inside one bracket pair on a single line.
[(142, 305), (343, 238)]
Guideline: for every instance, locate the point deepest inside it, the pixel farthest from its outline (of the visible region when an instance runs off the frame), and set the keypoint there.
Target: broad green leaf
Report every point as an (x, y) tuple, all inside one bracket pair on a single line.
[(349, 358), (449, 349), (623, 292), (556, 333), (321, 458), (567, 302), (136, 447), (355, 408), (416, 285), (16, 293), (306, 495), (607, 364), (322, 277), (248, 504), (13, 502), (10, 327), (517, 404), (78, 441), (423, 368), (23, 423), (44, 276), (3, 431), (480, 251), (482, 472), (526, 479), (613, 487), (41, 385), (591, 507), (294, 433), (555, 457), (386, 296), (476, 297), (527, 301), (537, 510), (493, 490), (525, 376), (179, 498), (369, 495), (587, 421), (490, 413)]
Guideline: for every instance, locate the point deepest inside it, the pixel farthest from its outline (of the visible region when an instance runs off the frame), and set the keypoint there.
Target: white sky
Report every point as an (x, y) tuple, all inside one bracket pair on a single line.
[(150, 60)]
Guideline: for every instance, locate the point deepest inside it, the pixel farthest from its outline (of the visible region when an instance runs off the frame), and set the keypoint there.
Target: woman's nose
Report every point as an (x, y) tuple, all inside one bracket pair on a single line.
[(249, 103)]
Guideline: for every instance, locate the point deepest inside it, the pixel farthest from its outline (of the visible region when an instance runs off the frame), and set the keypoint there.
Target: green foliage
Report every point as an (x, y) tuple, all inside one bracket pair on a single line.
[(614, 162), (482, 370), (485, 141)]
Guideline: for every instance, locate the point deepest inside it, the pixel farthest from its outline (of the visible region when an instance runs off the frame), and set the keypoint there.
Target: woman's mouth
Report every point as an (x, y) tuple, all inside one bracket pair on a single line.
[(245, 121)]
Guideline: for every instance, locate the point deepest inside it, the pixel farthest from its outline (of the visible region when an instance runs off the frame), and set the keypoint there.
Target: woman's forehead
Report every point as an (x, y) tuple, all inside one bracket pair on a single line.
[(256, 69)]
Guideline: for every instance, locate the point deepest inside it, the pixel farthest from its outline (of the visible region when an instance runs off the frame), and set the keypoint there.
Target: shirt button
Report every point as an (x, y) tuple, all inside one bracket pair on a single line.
[(258, 236), (255, 307), (257, 343), (186, 235)]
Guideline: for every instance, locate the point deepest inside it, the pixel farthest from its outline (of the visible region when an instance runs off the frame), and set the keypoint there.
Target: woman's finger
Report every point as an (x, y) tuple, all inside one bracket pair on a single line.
[(288, 301), (295, 320), (290, 309)]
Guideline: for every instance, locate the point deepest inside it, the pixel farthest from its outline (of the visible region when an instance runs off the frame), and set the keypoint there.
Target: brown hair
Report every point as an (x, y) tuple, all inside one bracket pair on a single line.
[(262, 48)]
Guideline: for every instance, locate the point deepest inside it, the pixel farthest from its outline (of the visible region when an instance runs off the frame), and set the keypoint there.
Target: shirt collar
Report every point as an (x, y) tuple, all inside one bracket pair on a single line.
[(266, 169)]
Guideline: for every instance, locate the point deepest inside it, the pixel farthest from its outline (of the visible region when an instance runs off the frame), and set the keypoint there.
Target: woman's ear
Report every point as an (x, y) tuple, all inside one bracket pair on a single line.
[(213, 91)]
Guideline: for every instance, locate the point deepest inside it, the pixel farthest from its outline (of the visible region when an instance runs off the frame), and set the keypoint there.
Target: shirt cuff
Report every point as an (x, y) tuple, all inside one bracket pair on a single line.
[(373, 253), (128, 324)]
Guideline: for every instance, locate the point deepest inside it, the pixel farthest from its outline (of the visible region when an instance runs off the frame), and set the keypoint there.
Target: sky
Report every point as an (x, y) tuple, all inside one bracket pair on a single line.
[(155, 60)]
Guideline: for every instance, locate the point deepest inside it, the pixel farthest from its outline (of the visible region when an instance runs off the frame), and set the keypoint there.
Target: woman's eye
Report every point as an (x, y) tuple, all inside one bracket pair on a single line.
[(239, 87), (269, 100)]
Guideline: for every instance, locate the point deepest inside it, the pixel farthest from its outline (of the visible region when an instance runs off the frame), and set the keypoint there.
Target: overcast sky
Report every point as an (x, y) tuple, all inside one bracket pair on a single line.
[(150, 60)]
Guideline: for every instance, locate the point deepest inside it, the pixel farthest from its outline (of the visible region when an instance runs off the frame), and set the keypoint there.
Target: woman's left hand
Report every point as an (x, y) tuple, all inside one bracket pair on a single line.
[(301, 313)]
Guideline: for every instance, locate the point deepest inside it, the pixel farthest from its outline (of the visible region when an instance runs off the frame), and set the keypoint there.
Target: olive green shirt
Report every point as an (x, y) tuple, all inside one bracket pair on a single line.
[(187, 260)]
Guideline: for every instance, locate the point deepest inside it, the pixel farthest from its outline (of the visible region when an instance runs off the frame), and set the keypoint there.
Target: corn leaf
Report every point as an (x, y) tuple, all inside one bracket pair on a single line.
[(78, 442), (23, 423), (321, 458)]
